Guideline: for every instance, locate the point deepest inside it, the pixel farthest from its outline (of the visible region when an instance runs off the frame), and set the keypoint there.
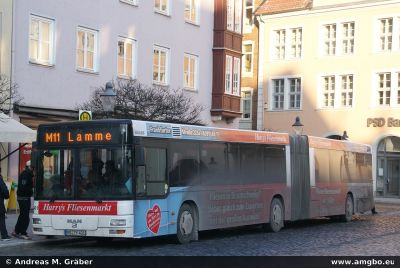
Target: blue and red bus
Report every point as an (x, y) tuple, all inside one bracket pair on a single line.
[(135, 179)]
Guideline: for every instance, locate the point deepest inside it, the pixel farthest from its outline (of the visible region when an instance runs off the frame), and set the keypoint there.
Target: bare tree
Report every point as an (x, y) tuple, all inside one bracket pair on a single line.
[(8, 94), (154, 103)]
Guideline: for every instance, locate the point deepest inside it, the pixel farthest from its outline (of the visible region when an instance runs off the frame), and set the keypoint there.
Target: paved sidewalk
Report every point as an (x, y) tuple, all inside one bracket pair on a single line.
[(11, 220)]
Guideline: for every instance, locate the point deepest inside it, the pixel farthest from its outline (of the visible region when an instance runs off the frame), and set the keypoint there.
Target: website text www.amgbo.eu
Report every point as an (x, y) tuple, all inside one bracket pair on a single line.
[(363, 262)]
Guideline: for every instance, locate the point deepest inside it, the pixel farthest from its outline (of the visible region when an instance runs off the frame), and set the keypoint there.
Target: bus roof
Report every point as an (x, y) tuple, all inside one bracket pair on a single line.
[(190, 132)]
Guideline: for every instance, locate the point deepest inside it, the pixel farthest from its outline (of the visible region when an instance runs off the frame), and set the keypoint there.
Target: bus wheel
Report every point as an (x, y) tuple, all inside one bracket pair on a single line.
[(349, 209), (276, 216), (186, 224)]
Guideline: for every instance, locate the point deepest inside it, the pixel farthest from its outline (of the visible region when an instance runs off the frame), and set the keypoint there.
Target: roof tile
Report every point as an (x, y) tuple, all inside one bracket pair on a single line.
[(281, 6)]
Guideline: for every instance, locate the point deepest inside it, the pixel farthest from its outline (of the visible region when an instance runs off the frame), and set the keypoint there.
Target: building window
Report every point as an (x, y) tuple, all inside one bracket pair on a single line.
[(347, 90), (286, 94), (232, 75), (336, 91), (86, 49), (294, 93), (348, 38), (192, 11), (296, 43), (160, 65), (126, 57), (384, 89), (280, 40), (338, 39), (330, 39), (246, 104), (248, 59), (161, 6), (190, 71), (41, 40), (386, 34), (278, 94), (248, 15), (234, 15), (329, 92)]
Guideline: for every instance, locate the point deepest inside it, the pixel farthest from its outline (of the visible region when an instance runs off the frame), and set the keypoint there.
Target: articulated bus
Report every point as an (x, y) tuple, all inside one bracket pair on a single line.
[(136, 179)]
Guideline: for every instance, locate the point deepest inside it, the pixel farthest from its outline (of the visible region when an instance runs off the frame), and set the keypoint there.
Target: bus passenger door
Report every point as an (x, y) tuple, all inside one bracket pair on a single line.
[(300, 191), (151, 207)]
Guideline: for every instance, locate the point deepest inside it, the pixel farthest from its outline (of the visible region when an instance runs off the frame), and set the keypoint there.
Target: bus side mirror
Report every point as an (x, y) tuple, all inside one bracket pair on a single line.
[(141, 180)]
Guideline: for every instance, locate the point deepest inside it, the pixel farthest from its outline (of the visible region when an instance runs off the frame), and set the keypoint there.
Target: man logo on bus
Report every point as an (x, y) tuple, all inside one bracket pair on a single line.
[(153, 219)]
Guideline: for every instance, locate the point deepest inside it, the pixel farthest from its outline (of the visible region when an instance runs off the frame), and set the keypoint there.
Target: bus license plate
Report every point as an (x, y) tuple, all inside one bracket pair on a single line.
[(75, 232)]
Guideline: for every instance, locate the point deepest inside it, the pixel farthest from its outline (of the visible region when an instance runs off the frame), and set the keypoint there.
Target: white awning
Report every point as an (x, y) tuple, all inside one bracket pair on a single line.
[(13, 131)]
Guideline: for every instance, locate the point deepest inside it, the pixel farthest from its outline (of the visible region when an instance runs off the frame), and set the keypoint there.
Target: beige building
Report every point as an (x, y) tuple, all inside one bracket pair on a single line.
[(335, 64)]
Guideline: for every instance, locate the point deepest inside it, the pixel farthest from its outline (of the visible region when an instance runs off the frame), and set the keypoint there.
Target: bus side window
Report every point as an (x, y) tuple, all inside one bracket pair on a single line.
[(156, 170)]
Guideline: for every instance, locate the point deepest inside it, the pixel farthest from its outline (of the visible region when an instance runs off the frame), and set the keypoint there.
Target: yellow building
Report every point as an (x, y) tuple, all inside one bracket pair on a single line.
[(335, 64)]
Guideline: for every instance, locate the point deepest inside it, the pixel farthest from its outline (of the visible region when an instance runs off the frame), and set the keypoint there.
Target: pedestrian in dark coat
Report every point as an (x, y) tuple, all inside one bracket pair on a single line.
[(24, 194), (4, 194)]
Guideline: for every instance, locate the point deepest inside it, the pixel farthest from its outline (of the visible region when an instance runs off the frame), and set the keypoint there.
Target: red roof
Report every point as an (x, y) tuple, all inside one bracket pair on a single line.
[(281, 6)]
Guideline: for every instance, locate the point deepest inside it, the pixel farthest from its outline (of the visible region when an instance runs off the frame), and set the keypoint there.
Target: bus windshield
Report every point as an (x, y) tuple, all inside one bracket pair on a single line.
[(85, 174)]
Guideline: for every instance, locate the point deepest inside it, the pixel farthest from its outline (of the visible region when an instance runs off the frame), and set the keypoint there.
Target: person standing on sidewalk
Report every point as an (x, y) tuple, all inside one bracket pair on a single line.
[(24, 194), (4, 194)]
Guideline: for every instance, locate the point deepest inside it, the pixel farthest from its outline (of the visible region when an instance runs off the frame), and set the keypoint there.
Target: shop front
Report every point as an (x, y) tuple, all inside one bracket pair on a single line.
[(388, 167)]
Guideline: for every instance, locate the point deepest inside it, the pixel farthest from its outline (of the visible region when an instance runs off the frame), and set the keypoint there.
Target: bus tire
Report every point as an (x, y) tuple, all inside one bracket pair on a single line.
[(349, 209), (186, 224), (276, 216)]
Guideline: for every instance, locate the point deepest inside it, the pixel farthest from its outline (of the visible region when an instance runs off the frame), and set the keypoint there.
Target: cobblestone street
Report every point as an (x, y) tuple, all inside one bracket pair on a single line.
[(365, 235)]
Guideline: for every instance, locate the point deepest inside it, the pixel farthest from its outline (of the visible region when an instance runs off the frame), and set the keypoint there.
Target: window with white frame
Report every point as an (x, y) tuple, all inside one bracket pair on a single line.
[(278, 94), (336, 91), (161, 6), (386, 34), (86, 49), (248, 15), (160, 65), (296, 42), (286, 94), (329, 91), (348, 38), (236, 77), (248, 58), (287, 43), (384, 89), (280, 43), (232, 75), (330, 39), (246, 104), (41, 40), (338, 38), (294, 93), (234, 15), (190, 71), (192, 11), (347, 90), (126, 57), (387, 90)]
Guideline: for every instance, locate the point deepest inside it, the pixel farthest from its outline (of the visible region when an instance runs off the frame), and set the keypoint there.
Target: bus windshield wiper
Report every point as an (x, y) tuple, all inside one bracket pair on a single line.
[(53, 198)]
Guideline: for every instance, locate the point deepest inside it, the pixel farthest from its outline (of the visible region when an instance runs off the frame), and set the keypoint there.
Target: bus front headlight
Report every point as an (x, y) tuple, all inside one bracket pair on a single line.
[(118, 222)]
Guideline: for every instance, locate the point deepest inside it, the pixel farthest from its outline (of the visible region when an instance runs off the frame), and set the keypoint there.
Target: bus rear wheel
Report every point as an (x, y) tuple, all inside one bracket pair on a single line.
[(186, 224), (349, 209), (276, 216)]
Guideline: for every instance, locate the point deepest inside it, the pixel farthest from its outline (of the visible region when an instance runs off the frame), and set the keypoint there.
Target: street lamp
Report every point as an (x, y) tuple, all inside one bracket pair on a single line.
[(298, 126), (108, 98), (344, 136)]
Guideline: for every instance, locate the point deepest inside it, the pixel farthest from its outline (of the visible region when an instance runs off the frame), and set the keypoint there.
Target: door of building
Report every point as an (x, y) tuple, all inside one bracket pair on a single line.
[(393, 176)]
